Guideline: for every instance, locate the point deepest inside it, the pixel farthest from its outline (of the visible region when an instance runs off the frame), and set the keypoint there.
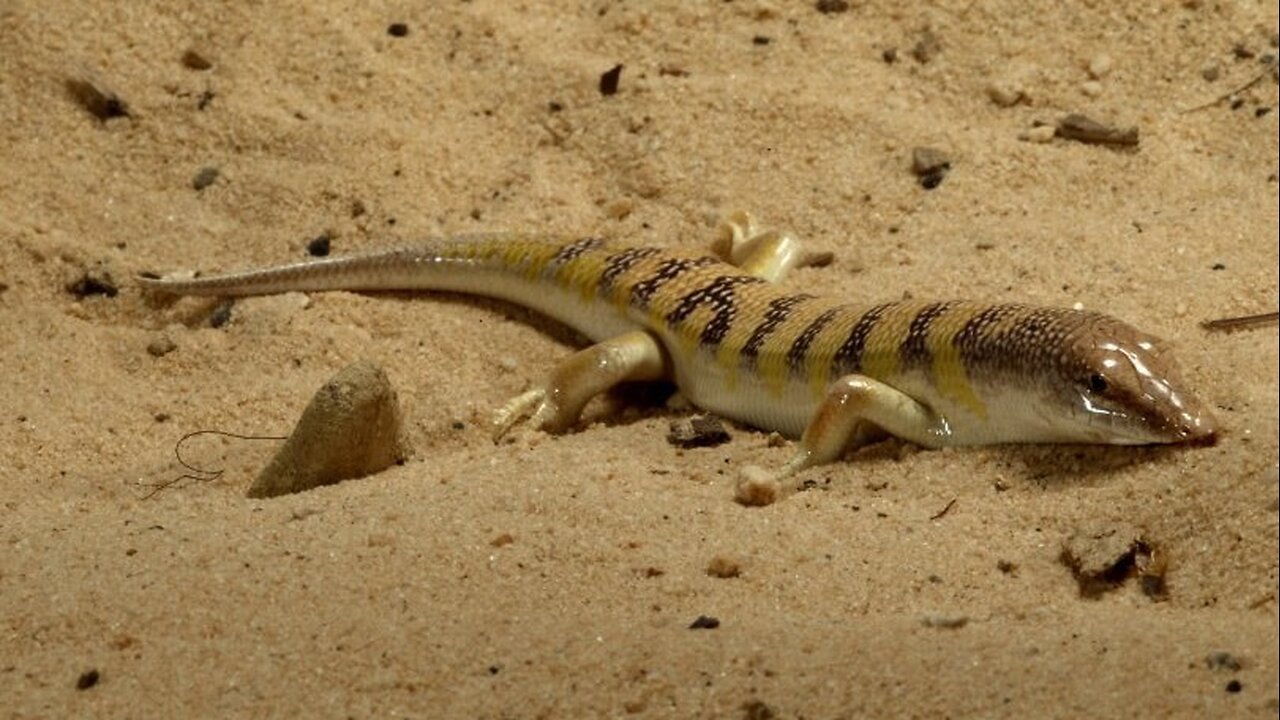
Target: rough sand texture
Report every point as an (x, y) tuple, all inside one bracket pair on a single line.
[(558, 577)]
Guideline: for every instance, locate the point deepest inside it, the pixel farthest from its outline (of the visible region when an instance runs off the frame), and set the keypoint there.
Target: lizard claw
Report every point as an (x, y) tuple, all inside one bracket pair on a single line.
[(536, 405)]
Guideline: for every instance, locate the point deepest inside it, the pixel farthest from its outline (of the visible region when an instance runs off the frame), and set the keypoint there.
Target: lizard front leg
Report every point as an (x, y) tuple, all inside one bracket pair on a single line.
[(856, 410), (555, 404)]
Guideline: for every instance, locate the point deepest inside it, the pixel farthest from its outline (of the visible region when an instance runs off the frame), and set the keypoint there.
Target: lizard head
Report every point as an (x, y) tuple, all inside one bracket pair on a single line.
[(1125, 389)]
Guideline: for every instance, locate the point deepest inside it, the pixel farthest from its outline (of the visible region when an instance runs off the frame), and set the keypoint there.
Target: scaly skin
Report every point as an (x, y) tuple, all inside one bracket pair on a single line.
[(835, 374)]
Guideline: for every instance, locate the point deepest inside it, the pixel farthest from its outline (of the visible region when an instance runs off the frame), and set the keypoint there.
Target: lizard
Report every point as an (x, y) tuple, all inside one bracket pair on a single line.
[(832, 374)]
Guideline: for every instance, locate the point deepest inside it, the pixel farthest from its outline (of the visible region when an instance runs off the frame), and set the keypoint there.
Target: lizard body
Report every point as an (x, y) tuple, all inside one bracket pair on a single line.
[(829, 372)]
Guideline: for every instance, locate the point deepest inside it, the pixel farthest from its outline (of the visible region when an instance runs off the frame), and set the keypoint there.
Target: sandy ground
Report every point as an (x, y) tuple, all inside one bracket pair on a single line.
[(559, 577)]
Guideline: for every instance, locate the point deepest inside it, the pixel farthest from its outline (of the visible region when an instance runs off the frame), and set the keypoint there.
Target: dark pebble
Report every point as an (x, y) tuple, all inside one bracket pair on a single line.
[(609, 80), (88, 679), (319, 246), (205, 177), (827, 7), (697, 431), (101, 102), (761, 40), (704, 622), (93, 282), (398, 29), (222, 314), (1234, 686), (195, 60)]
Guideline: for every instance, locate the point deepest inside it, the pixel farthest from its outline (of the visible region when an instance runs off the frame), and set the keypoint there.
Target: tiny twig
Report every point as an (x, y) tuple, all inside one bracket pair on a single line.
[(1232, 93), (944, 510), (198, 474), (1241, 323)]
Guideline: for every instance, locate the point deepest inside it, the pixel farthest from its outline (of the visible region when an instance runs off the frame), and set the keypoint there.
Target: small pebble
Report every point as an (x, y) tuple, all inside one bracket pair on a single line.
[(1211, 71), (946, 622), (95, 96), (1091, 88), (1039, 134), (828, 7), (221, 315), (195, 61), (161, 346), (704, 622), (96, 281), (723, 567), (609, 80), (204, 177), (756, 487), (397, 29), (697, 431), (1005, 94), (319, 245), (1100, 66), (88, 679)]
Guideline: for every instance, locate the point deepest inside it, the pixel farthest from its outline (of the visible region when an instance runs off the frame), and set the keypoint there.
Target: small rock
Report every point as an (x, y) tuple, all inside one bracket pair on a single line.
[(704, 622), (1087, 130), (697, 431), (205, 177), (828, 7), (95, 281), (397, 29), (221, 314), (930, 165), (1039, 134), (88, 679), (351, 428), (1100, 66), (723, 567), (756, 487), (609, 80), (95, 96), (161, 346), (945, 622), (320, 245), (1091, 88), (1211, 71), (1005, 93), (194, 60)]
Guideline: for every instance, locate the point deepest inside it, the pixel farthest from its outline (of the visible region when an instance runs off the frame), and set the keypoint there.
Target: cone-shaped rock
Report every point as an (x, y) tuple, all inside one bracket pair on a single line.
[(351, 428)]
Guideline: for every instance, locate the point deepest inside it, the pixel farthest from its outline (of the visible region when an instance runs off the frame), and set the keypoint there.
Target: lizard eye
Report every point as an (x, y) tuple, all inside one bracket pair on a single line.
[(1097, 384)]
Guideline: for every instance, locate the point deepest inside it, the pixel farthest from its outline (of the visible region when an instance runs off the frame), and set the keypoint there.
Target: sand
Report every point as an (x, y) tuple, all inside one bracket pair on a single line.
[(559, 576)]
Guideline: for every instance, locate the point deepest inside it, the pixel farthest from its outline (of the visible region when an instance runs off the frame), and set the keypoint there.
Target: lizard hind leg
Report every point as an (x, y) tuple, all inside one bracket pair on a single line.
[(555, 404), (767, 254)]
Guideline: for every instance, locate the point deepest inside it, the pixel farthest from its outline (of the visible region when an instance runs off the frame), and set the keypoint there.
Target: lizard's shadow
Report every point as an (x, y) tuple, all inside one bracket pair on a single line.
[(1059, 467)]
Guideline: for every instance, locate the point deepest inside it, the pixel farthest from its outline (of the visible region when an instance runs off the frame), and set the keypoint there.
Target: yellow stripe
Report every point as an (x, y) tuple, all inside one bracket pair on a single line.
[(882, 353), (950, 376), (824, 347)]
